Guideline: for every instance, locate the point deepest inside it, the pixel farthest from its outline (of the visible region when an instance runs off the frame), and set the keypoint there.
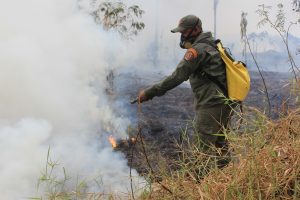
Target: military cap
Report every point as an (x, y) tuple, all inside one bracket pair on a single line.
[(186, 22)]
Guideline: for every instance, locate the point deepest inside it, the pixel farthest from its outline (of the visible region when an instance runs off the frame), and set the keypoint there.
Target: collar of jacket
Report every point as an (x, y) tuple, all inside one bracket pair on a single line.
[(204, 37)]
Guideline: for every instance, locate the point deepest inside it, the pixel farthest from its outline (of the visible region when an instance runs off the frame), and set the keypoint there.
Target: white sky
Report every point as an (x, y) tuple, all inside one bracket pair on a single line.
[(228, 14)]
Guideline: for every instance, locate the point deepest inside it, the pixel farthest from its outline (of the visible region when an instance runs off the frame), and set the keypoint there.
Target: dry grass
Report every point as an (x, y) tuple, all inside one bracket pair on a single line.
[(265, 165)]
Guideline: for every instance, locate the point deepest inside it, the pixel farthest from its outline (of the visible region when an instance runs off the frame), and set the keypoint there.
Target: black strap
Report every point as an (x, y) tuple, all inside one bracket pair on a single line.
[(208, 76), (213, 43), (193, 28), (217, 82)]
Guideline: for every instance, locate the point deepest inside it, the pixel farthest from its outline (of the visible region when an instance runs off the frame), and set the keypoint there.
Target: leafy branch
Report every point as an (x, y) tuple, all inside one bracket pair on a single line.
[(279, 26), (118, 16)]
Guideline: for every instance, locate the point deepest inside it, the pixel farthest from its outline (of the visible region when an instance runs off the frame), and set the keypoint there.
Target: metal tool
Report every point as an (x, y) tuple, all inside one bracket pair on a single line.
[(133, 101)]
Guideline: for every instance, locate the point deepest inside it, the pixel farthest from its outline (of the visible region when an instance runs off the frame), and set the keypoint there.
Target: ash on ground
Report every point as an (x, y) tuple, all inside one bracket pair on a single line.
[(162, 120)]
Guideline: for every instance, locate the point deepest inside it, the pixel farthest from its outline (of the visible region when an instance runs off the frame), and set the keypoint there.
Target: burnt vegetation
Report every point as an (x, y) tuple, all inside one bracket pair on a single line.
[(264, 140), (163, 154)]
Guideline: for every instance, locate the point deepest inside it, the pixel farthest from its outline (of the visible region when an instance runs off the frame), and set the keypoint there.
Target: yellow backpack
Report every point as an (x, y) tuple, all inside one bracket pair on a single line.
[(237, 75)]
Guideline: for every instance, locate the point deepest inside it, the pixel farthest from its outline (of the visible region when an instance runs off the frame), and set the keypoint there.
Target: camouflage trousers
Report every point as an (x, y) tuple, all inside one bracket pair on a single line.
[(210, 124)]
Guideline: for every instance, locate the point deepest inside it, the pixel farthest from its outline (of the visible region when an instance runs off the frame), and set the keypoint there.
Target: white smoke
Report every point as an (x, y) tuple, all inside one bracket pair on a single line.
[(54, 61), (52, 55)]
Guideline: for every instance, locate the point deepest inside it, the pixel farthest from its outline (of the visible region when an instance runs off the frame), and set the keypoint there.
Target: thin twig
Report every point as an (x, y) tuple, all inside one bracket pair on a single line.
[(262, 77), (130, 170), (285, 41), (139, 135), (289, 52), (150, 167)]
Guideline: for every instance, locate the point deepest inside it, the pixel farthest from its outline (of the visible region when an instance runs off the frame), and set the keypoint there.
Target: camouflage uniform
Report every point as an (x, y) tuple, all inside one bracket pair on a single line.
[(212, 114)]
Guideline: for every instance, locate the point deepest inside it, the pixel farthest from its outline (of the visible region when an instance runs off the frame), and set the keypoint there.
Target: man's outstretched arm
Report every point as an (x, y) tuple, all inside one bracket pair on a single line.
[(184, 69), (180, 75)]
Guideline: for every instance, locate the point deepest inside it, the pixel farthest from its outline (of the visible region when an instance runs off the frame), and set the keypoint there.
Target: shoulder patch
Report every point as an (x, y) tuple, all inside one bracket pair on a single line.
[(191, 54)]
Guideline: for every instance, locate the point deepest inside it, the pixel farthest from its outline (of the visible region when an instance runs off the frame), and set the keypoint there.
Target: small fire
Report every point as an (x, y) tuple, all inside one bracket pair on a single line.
[(112, 141), (133, 140), (117, 143)]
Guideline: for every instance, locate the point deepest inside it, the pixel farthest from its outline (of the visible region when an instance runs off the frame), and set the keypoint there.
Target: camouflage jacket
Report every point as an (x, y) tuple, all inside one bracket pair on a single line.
[(201, 59)]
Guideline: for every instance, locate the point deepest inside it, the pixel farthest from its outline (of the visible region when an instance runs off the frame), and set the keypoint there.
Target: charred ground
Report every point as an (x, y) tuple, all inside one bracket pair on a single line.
[(161, 120)]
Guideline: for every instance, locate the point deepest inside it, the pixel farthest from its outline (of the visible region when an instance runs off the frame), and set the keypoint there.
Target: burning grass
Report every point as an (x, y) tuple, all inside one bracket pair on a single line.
[(112, 141), (118, 143), (266, 165)]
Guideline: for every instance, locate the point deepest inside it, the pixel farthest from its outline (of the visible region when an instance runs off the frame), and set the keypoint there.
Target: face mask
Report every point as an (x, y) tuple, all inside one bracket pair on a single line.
[(182, 41), (186, 42)]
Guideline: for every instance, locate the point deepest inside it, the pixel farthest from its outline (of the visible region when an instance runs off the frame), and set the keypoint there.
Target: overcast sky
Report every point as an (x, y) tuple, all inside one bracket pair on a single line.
[(228, 14)]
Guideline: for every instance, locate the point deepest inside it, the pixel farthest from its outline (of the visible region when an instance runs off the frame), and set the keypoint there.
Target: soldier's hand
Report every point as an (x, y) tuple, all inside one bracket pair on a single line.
[(142, 97)]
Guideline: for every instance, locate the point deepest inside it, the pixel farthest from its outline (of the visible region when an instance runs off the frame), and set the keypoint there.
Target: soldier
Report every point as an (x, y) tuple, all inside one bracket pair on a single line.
[(203, 66)]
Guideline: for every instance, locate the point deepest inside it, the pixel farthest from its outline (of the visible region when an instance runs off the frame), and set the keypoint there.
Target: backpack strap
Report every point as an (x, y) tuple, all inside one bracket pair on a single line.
[(216, 82), (213, 43), (208, 76)]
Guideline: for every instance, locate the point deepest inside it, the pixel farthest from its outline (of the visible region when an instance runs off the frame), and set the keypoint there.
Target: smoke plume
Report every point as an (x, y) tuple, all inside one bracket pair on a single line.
[(54, 60)]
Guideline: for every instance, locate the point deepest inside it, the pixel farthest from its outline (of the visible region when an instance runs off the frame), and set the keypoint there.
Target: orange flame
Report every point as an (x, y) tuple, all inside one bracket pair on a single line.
[(112, 141), (133, 140)]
